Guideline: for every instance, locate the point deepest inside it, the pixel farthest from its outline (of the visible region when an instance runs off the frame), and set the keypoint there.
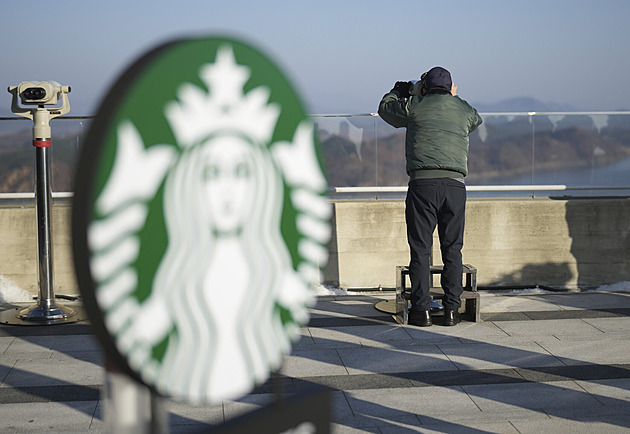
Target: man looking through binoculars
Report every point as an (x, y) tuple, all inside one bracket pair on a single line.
[(438, 124)]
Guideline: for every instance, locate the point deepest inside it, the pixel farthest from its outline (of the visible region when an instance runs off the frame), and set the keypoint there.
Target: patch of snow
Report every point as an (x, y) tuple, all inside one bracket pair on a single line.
[(10, 292), (533, 290), (333, 290), (615, 287), (329, 290)]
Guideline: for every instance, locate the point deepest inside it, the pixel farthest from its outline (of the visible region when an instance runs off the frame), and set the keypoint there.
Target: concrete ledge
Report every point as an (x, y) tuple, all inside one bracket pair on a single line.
[(18, 247), (563, 243)]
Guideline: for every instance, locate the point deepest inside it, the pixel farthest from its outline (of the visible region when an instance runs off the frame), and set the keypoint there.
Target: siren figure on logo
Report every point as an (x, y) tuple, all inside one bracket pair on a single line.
[(226, 283)]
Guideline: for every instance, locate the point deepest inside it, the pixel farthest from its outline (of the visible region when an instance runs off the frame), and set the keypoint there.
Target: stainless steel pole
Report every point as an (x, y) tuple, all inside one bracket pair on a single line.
[(44, 231), (46, 311)]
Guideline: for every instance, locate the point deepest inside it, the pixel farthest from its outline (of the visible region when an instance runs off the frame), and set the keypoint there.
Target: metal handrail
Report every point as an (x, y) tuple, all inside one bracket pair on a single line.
[(528, 187), (402, 189), (345, 115), (27, 195), (602, 113)]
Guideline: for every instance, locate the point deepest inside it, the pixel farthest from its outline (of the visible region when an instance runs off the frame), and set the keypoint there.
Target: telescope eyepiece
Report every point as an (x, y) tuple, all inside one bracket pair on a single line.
[(34, 93)]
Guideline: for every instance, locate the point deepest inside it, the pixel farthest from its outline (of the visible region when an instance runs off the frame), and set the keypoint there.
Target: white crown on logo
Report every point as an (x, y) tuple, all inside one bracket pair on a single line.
[(198, 114)]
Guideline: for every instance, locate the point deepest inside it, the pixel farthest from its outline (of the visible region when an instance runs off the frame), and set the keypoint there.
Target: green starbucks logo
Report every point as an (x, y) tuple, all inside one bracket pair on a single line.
[(200, 219)]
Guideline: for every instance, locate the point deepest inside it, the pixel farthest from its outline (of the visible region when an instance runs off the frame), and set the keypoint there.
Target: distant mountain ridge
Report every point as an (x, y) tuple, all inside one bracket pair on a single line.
[(518, 105), (522, 104)]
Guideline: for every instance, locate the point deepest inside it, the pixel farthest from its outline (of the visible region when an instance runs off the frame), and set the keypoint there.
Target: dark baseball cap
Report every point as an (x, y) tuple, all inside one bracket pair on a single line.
[(437, 77)]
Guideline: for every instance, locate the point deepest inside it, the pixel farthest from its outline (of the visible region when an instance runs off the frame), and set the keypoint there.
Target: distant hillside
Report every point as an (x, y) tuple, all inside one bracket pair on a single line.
[(522, 104), (518, 104)]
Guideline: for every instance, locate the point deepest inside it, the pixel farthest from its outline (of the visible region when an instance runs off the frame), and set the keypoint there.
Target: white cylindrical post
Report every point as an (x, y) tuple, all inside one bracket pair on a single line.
[(131, 407)]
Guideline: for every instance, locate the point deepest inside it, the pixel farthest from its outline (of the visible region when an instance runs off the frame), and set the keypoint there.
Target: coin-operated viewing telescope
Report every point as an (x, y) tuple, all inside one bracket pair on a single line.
[(41, 94), (35, 97)]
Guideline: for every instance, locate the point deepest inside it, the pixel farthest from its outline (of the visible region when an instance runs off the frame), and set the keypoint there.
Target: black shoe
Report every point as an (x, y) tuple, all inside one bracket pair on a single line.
[(451, 317), (421, 318)]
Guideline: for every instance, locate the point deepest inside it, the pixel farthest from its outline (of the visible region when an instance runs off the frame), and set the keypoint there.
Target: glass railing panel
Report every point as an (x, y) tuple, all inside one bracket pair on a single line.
[(582, 150), (17, 154), (349, 149), (17, 158), (521, 149), (68, 137), (391, 155), (501, 151)]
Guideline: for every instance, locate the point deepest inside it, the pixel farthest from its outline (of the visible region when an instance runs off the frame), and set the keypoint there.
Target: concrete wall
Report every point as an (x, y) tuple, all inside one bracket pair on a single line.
[(520, 242), (18, 248)]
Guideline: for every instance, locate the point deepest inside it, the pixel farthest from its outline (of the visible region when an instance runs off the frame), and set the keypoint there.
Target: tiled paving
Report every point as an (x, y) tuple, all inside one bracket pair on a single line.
[(550, 362)]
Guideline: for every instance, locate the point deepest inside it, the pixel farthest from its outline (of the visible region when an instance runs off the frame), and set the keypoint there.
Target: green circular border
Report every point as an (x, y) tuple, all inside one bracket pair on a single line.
[(140, 95)]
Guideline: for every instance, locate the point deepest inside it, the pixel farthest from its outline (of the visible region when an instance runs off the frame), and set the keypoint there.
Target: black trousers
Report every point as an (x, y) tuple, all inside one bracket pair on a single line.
[(431, 202)]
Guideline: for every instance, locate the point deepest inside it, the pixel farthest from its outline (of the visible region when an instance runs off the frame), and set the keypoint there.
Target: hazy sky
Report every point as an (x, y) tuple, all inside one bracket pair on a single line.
[(342, 55)]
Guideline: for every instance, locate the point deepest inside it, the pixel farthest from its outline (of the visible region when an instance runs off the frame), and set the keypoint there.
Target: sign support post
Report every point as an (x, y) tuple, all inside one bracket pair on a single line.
[(132, 407)]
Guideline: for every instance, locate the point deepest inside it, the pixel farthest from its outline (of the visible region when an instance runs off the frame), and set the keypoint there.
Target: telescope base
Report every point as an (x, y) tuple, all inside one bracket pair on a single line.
[(38, 315)]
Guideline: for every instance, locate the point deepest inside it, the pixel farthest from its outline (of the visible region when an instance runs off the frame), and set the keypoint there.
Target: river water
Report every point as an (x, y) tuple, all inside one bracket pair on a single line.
[(616, 174)]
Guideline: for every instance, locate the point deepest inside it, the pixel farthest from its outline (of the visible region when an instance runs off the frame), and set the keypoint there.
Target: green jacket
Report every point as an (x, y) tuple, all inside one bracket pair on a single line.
[(438, 125)]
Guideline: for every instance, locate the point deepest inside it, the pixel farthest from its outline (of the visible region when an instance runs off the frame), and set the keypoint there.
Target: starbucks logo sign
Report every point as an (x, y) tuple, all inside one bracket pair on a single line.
[(200, 219)]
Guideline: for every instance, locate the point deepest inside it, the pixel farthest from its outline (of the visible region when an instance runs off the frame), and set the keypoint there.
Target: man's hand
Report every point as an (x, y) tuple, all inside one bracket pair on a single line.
[(453, 89), (402, 87)]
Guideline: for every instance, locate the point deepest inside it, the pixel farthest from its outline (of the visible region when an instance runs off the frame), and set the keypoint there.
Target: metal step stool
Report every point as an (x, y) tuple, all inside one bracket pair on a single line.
[(470, 297)]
